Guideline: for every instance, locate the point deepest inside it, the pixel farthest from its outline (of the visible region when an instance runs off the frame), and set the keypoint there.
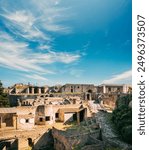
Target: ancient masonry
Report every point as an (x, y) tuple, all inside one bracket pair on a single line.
[(92, 134), (35, 106), (20, 92)]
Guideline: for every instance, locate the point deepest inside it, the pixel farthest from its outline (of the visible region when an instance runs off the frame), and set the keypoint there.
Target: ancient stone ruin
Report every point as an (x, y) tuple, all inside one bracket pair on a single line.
[(36, 113)]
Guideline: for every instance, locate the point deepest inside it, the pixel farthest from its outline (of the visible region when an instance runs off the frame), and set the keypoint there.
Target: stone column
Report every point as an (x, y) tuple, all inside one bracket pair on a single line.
[(45, 90), (39, 90), (27, 90), (15, 122), (85, 96), (32, 90), (104, 89)]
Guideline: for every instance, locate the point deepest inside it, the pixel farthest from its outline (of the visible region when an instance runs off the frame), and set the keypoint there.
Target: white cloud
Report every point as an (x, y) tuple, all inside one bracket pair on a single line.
[(64, 57), (124, 77), (36, 77), (76, 72), (17, 55), (44, 47), (32, 21), (21, 17), (23, 23)]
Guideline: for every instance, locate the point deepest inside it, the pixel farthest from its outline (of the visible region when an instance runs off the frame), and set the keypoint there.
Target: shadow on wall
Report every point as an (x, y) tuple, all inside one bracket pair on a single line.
[(71, 120), (43, 142), (73, 117), (9, 144)]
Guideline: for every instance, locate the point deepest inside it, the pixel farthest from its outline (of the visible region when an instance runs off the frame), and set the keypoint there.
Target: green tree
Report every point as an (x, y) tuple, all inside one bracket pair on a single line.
[(122, 118), (4, 102)]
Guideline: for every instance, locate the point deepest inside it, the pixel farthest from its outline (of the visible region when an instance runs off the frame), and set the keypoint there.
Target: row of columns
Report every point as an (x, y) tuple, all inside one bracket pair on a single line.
[(33, 90), (124, 89)]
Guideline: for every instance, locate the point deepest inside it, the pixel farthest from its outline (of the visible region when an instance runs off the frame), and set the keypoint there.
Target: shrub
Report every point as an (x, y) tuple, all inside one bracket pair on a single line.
[(122, 118), (3, 97)]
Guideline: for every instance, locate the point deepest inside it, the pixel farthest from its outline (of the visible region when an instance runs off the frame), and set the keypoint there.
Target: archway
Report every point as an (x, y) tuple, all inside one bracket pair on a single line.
[(90, 91), (71, 90), (40, 115), (88, 96)]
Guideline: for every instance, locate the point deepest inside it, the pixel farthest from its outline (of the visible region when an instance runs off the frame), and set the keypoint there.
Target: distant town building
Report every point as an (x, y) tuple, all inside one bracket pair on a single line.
[(114, 88), (20, 92)]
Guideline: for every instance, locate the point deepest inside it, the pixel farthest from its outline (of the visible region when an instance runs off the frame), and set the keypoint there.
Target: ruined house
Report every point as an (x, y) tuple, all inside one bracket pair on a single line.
[(27, 117), (113, 88)]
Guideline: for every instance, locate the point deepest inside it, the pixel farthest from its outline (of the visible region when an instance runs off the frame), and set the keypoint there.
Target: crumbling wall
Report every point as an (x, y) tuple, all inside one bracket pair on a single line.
[(7, 118), (67, 140), (109, 137), (109, 101), (60, 141)]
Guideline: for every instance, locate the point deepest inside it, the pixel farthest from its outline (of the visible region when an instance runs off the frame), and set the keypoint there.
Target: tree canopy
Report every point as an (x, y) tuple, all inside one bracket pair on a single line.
[(4, 102), (122, 118)]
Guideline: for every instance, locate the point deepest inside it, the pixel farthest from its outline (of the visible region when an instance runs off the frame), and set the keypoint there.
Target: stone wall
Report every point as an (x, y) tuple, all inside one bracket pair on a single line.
[(109, 136), (14, 99), (78, 88), (113, 88), (109, 101), (88, 136), (71, 138), (25, 122), (38, 139), (7, 119), (38, 99)]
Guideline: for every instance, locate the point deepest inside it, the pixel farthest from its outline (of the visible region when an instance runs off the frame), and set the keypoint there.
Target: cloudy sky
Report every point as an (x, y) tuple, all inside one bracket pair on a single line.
[(49, 42)]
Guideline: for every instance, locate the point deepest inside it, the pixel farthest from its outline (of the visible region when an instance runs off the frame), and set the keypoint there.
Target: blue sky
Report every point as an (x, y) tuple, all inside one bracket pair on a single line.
[(65, 41)]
